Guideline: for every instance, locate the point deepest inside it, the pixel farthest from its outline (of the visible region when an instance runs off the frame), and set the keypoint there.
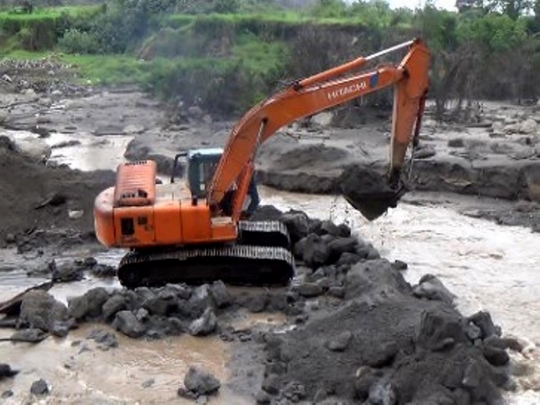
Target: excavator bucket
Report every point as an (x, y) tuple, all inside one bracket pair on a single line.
[(367, 191), (373, 205)]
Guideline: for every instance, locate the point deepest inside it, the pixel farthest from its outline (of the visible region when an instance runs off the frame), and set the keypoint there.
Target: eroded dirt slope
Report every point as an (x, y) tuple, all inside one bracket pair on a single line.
[(38, 196)]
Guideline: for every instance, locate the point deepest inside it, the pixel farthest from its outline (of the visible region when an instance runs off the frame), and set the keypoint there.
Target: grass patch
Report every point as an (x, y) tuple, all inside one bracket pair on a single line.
[(246, 19), (41, 29), (20, 54), (49, 13), (223, 83), (180, 20), (180, 51), (108, 69), (102, 69), (259, 56)]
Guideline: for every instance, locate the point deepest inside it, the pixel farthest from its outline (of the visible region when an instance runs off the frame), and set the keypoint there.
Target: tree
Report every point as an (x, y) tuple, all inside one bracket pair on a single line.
[(512, 8), (464, 6)]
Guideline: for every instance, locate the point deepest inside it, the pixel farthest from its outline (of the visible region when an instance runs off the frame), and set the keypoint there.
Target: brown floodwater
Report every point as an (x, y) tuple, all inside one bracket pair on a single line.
[(489, 267)]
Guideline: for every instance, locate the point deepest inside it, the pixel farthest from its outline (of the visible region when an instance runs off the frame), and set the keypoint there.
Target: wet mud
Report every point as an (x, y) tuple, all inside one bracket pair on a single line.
[(38, 198), (78, 369), (344, 343), (336, 338)]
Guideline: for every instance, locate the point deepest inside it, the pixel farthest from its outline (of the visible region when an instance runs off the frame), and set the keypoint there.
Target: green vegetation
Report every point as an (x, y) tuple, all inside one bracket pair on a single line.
[(40, 29), (98, 69), (225, 55), (48, 13)]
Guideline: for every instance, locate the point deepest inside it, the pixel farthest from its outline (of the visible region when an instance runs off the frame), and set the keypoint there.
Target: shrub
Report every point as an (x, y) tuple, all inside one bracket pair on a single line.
[(226, 6), (218, 86), (76, 41)]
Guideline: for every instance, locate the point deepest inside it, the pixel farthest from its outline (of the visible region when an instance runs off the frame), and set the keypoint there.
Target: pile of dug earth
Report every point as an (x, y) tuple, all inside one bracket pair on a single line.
[(40, 202), (358, 332)]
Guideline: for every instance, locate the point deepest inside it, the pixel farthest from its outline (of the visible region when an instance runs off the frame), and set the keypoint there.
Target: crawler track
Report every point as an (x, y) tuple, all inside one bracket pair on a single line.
[(261, 257)]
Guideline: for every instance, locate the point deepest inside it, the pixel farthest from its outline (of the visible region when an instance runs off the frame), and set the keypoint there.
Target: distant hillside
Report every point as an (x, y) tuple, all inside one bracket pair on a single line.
[(225, 55)]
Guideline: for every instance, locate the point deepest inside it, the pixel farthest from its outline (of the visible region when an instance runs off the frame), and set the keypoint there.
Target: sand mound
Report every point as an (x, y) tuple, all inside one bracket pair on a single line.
[(35, 196)]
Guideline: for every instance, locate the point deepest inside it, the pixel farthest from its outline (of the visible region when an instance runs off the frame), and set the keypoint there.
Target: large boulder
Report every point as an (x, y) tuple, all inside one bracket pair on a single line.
[(40, 310)]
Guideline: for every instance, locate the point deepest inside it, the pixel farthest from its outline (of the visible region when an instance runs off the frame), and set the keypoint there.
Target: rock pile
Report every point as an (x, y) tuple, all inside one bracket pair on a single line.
[(40, 75), (384, 345), (387, 342), (361, 333), (324, 252)]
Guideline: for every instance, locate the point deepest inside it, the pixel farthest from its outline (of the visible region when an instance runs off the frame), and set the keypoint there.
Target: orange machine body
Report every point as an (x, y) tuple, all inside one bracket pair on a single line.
[(137, 212)]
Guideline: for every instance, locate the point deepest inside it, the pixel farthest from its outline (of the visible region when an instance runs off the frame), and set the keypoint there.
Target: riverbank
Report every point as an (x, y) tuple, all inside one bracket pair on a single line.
[(92, 123), (494, 157)]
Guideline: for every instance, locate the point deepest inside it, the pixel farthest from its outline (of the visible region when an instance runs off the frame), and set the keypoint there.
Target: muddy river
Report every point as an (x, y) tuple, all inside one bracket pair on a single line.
[(487, 266)]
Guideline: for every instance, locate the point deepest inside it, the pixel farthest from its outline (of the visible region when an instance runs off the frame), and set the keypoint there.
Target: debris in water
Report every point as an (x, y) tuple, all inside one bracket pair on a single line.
[(12, 306), (199, 382), (40, 387), (7, 371), (30, 335), (7, 394), (103, 338)]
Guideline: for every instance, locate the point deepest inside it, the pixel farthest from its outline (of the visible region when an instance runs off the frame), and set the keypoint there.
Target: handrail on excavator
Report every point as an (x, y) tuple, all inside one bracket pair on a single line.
[(350, 66)]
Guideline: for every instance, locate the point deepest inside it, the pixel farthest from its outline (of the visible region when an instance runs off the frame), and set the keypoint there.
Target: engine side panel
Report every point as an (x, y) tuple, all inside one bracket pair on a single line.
[(104, 217), (196, 223), (167, 222), (135, 184), (137, 213)]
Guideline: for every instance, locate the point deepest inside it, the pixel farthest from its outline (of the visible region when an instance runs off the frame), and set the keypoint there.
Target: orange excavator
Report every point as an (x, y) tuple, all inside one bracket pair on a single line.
[(194, 231)]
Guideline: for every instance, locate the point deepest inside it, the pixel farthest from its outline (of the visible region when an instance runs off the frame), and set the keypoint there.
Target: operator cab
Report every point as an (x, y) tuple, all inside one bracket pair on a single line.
[(200, 166)]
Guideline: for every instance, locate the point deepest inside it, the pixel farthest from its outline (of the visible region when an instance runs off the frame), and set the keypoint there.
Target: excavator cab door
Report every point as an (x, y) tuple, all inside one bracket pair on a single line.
[(178, 168), (202, 164)]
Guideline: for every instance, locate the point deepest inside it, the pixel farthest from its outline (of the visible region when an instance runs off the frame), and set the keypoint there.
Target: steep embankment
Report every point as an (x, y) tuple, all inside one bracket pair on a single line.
[(35, 196), (498, 158)]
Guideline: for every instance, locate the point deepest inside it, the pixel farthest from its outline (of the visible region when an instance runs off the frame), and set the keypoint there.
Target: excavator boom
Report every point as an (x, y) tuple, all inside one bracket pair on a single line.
[(191, 231), (321, 92)]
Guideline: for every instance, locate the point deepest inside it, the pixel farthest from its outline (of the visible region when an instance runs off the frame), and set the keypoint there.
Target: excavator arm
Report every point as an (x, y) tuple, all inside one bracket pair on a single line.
[(173, 237), (318, 93)]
